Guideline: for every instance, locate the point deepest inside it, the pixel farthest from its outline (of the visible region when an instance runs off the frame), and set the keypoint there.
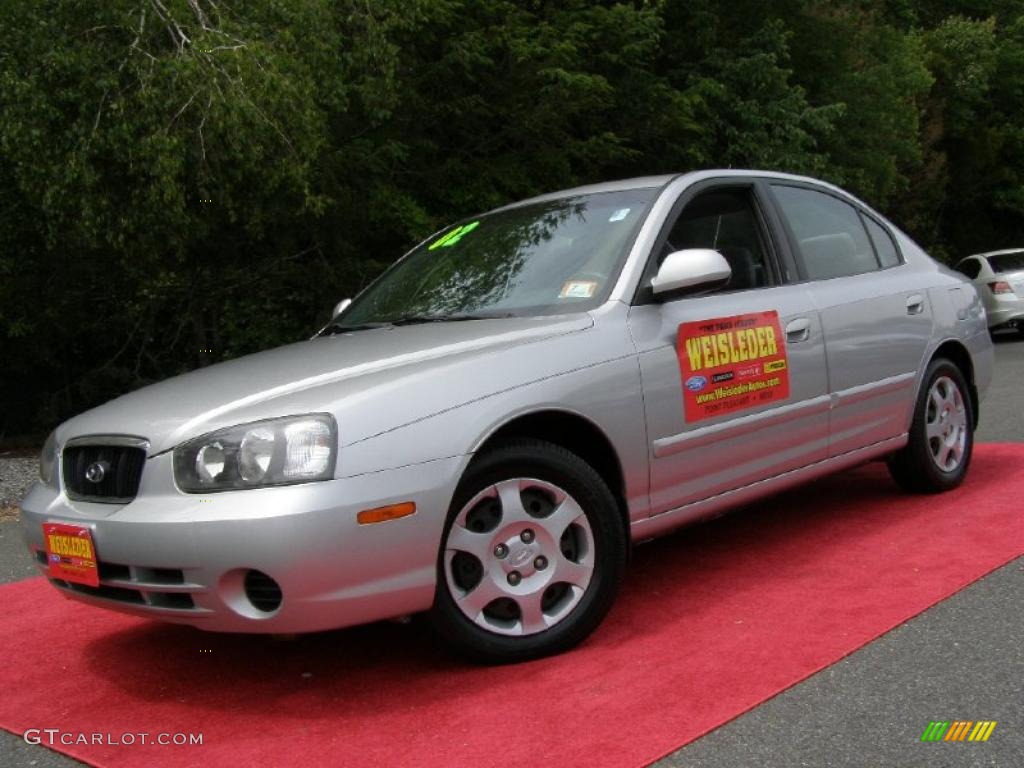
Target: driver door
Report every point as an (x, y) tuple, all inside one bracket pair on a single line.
[(734, 382)]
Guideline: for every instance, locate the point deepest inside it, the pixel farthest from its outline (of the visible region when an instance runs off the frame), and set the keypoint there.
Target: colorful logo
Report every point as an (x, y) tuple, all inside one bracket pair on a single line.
[(958, 730), (752, 370), (696, 383)]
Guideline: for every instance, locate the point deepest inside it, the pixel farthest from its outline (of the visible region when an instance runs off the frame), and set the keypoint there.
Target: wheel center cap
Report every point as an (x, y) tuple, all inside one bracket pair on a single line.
[(519, 554)]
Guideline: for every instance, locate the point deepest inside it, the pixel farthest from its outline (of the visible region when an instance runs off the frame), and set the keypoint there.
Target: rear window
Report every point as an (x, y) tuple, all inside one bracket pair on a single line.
[(1007, 262)]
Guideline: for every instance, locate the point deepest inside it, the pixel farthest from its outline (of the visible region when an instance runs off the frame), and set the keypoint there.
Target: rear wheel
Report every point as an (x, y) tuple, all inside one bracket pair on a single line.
[(532, 554), (941, 438)]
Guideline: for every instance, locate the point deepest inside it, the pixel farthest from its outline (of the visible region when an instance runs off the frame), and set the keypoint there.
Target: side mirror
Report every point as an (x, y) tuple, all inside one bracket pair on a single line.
[(341, 306), (692, 269)]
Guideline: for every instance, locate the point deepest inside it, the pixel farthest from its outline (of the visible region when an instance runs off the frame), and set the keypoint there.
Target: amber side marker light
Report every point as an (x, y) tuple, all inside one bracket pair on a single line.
[(383, 514)]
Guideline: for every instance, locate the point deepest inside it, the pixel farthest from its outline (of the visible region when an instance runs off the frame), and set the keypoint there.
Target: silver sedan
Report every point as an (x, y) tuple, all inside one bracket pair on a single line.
[(483, 432)]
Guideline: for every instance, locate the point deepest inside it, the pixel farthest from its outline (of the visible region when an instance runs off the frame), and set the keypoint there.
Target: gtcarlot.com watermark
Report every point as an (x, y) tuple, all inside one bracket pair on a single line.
[(55, 737)]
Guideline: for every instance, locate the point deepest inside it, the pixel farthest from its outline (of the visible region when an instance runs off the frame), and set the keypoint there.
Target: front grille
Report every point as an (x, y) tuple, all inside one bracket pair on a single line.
[(120, 594), (133, 584), (177, 600), (103, 473)]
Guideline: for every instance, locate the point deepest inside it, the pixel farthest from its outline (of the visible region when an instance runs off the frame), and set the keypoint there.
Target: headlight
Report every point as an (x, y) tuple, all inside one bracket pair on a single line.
[(296, 449), (48, 459)]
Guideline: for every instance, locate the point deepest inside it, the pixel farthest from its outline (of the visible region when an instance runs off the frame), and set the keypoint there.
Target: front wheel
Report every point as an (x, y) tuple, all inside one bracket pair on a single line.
[(941, 437), (532, 554)]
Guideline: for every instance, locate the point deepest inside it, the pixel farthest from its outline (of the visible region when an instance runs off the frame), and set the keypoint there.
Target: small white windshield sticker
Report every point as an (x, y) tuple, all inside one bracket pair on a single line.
[(619, 215), (578, 289)]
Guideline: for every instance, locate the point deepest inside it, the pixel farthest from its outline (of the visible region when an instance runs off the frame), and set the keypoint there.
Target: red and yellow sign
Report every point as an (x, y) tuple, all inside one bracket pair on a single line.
[(731, 364), (70, 553)]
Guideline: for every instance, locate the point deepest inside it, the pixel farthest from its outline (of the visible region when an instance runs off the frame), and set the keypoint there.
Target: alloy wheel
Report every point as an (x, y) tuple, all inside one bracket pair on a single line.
[(946, 424), (519, 557)]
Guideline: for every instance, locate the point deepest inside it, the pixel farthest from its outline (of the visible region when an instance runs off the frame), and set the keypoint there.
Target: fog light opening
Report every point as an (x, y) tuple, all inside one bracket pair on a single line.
[(262, 591)]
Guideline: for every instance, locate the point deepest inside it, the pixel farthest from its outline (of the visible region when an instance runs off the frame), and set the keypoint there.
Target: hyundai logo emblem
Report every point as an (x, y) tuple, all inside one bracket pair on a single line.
[(96, 471)]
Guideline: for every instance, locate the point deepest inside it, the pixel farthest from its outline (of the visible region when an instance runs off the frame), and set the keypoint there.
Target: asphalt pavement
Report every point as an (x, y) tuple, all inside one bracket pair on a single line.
[(1002, 412), (961, 659)]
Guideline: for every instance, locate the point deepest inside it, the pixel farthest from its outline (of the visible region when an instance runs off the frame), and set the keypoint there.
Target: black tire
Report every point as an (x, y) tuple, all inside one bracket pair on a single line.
[(913, 467), (539, 460)]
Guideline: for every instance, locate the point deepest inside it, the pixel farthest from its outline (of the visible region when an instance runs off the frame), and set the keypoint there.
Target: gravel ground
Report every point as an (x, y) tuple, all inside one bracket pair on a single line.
[(16, 475)]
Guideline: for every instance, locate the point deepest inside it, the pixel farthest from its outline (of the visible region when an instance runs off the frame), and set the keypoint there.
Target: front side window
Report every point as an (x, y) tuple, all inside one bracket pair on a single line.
[(829, 233), (724, 220), (545, 258)]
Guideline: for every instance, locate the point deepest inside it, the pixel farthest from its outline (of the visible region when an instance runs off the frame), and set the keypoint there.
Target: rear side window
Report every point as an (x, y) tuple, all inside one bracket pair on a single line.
[(885, 246), (969, 267), (829, 233)]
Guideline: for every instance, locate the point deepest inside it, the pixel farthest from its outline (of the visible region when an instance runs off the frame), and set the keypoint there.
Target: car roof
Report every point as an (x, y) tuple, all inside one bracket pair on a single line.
[(649, 182), (639, 182)]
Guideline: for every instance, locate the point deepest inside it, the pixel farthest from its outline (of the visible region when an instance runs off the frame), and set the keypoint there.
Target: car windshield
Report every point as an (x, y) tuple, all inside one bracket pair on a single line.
[(544, 258), (1007, 262)]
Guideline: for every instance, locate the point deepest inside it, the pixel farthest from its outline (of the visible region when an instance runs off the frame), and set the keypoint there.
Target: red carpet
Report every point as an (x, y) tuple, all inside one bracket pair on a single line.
[(712, 621)]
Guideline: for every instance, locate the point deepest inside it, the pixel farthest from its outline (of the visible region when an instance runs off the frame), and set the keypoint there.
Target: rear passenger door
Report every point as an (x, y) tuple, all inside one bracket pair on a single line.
[(875, 316)]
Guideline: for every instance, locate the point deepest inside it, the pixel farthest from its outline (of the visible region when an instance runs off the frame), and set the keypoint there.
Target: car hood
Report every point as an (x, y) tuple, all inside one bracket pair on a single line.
[(303, 377)]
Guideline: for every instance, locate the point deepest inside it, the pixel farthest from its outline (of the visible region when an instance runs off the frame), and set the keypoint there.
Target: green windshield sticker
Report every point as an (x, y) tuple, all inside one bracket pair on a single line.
[(454, 236)]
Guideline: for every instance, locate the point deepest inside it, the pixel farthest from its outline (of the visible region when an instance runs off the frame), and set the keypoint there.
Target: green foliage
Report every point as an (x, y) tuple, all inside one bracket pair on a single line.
[(183, 181), (877, 74)]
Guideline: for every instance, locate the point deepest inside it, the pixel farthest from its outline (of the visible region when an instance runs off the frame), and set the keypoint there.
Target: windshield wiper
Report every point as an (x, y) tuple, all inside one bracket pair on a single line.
[(334, 328), (455, 318)]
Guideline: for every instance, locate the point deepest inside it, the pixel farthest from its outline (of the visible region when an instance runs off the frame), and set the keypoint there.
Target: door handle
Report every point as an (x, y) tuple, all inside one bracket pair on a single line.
[(915, 304), (798, 330)]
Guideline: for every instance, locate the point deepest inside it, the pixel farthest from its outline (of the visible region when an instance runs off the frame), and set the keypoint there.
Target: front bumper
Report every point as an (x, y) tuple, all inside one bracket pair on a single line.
[(183, 558)]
